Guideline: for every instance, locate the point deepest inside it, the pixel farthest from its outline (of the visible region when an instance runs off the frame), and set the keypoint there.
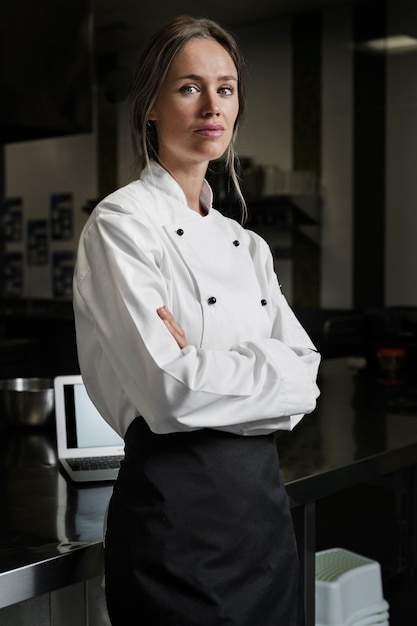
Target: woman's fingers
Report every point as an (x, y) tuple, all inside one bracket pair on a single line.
[(174, 328)]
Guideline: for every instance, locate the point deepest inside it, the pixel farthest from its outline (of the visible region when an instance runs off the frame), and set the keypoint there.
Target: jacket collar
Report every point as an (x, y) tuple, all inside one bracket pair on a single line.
[(155, 176)]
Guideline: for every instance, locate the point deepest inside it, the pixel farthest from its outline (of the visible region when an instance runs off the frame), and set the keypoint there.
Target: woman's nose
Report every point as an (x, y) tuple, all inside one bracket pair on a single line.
[(210, 105)]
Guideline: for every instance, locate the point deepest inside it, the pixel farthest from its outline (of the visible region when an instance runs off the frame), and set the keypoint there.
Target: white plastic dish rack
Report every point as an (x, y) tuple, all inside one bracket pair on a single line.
[(349, 590)]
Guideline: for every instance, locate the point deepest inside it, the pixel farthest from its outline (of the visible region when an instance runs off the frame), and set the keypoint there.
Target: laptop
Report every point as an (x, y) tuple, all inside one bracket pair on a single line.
[(88, 448)]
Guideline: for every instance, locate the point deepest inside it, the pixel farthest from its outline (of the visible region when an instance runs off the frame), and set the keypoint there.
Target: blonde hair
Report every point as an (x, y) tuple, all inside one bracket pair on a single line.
[(152, 69)]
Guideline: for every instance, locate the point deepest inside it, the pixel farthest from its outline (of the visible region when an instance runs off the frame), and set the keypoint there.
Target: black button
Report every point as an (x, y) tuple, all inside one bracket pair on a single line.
[(180, 232), (236, 243), (264, 302), (211, 300)]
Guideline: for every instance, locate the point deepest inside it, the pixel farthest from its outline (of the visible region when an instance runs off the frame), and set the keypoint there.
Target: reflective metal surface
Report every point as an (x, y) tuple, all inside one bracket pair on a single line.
[(50, 529), (357, 432), (27, 401)]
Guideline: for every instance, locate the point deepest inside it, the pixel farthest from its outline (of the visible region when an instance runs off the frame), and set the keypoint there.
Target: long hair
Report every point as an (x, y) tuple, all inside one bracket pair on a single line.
[(152, 69)]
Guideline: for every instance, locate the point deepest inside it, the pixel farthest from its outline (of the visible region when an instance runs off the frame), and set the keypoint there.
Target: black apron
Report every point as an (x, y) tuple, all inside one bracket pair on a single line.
[(199, 533)]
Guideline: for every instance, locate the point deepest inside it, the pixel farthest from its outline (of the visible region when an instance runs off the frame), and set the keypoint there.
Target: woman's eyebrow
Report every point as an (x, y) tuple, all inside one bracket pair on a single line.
[(197, 77)]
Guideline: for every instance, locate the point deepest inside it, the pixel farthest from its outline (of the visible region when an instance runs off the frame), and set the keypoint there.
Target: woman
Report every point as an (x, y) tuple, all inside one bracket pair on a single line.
[(190, 351)]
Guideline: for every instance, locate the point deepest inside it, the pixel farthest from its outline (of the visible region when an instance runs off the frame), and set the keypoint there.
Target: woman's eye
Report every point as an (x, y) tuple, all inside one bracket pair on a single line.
[(189, 89), (226, 91)]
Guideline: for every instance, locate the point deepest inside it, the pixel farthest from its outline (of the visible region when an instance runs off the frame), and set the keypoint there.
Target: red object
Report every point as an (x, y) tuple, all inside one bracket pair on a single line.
[(391, 352)]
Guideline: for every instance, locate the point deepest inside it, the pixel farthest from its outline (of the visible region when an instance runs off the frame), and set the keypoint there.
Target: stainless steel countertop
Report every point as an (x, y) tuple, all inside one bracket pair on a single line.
[(51, 529)]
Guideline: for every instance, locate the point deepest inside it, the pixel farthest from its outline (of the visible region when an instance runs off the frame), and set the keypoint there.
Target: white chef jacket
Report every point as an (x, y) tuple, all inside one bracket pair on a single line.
[(248, 368)]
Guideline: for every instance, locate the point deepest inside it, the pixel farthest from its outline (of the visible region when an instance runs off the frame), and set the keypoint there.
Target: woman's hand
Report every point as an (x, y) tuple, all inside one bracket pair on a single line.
[(175, 330)]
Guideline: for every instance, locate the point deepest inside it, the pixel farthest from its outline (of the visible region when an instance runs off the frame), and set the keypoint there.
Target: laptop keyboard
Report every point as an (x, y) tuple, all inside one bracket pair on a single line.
[(94, 463)]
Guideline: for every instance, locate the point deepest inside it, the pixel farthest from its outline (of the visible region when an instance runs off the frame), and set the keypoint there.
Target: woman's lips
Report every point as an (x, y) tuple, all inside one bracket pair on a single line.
[(210, 130)]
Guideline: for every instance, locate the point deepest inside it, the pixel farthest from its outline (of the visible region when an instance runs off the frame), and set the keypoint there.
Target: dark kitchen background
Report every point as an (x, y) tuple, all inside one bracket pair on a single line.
[(328, 148), (329, 154)]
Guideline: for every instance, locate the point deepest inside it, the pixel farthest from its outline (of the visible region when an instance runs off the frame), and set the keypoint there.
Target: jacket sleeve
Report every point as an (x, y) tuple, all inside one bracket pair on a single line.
[(257, 387)]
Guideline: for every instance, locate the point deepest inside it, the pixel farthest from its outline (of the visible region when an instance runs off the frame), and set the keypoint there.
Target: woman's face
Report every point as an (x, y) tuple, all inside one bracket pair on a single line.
[(197, 105)]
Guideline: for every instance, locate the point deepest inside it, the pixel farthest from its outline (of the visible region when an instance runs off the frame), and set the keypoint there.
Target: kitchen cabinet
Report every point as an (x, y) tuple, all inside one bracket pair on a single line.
[(37, 338)]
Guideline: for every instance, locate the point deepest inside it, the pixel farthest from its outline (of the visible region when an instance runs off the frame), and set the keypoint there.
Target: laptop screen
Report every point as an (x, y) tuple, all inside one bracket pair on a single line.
[(84, 425)]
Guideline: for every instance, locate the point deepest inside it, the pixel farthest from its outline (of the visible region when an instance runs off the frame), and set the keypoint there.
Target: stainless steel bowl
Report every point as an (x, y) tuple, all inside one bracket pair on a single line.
[(27, 401)]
